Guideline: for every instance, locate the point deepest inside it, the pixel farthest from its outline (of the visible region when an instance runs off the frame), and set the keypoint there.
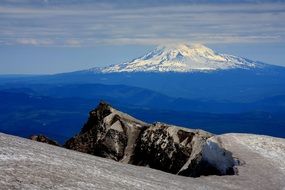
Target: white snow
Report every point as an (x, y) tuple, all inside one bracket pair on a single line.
[(181, 58), (215, 154), (25, 164), (270, 148)]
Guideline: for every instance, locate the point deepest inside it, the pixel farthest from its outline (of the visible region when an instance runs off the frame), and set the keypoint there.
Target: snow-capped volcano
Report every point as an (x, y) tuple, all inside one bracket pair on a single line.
[(182, 58)]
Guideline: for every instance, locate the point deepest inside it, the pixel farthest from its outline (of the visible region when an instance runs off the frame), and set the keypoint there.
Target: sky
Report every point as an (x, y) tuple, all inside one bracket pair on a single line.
[(54, 36)]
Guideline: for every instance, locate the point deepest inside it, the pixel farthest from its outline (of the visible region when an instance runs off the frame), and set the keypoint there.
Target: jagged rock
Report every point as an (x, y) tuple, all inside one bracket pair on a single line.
[(169, 148), (44, 139), (108, 133), (112, 134)]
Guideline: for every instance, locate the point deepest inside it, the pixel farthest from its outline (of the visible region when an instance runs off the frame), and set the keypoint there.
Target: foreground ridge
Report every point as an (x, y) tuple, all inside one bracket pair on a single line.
[(112, 134), (26, 164)]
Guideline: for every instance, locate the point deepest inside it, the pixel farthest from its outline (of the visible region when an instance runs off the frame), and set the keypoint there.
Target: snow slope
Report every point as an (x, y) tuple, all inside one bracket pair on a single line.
[(25, 164), (181, 58)]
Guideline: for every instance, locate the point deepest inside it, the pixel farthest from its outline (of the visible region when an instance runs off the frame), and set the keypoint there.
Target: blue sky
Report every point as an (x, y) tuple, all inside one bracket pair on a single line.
[(51, 36)]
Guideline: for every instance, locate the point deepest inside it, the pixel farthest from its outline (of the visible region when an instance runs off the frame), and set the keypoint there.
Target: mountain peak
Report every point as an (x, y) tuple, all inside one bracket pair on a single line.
[(182, 58), (186, 47), (186, 50)]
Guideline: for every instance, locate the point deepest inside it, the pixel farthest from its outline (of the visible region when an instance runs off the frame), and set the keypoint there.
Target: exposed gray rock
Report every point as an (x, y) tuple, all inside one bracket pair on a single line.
[(44, 139), (171, 148), (112, 134), (108, 133)]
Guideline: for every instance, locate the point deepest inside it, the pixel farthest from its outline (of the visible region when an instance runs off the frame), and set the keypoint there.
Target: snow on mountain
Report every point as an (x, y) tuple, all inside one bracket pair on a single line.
[(26, 164), (182, 58)]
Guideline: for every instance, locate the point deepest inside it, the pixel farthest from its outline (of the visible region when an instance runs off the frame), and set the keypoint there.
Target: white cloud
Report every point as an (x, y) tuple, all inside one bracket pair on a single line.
[(73, 42), (33, 41), (92, 24)]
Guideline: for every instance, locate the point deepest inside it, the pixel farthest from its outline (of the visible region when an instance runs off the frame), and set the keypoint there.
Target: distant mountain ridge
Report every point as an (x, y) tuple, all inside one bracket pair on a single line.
[(237, 96), (182, 58)]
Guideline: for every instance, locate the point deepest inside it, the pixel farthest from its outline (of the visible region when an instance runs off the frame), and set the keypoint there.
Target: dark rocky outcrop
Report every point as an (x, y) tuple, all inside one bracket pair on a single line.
[(170, 148), (112, 134), (108, 133), (44, 139)]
